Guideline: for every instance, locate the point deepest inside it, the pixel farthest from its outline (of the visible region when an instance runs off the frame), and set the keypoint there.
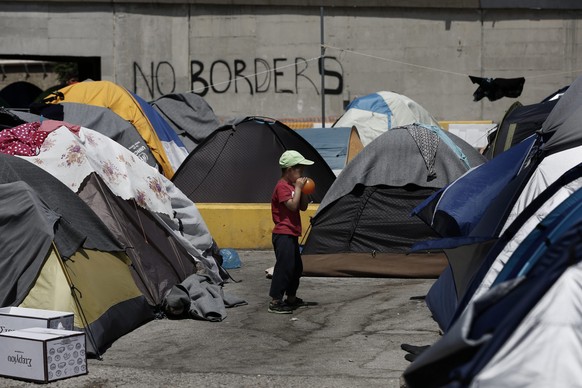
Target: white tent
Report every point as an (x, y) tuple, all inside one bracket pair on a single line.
[(375, 113)]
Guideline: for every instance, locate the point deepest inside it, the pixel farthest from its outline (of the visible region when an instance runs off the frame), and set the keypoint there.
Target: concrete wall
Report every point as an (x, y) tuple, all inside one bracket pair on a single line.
[(262, 59)]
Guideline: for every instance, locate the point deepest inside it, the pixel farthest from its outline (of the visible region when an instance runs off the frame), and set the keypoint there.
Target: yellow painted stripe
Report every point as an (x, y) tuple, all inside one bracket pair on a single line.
[(244, 225)]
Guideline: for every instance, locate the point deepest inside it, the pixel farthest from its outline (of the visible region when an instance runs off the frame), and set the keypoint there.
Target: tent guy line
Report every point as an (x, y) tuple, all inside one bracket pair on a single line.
[(434, 68)]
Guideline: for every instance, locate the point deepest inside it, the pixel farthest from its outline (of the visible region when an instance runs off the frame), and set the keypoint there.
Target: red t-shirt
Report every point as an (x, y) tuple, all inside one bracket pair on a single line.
[(286, 221)]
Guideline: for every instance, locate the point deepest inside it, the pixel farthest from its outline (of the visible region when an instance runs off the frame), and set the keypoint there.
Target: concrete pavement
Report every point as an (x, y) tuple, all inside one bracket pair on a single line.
[(350, 339)]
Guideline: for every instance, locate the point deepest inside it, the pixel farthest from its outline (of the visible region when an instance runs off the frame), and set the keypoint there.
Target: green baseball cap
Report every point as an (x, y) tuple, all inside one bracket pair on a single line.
[(292, 158)]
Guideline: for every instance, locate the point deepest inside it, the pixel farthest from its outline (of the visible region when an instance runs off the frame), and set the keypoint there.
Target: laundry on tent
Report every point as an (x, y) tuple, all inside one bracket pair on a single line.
[(98, 118)]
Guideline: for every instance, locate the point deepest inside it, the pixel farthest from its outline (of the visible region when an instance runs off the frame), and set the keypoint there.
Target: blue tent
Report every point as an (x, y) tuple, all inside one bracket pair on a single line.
[(456, 209), (470, 344), (337, 146), (173, 146)]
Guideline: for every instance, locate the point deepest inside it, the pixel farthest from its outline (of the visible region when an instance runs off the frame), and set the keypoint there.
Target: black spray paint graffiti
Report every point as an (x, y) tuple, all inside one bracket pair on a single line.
[(221, 77)]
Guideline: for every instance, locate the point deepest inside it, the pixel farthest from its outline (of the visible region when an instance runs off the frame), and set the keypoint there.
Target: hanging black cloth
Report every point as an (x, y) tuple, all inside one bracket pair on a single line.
[(496, 88)]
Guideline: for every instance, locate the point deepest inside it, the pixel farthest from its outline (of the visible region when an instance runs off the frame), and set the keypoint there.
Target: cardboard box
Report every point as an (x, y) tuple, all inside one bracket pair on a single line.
[(42, 355), (15, 318)]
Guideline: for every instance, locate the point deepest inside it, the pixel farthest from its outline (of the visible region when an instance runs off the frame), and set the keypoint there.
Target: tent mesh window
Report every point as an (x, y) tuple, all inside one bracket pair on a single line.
[(373, 218)]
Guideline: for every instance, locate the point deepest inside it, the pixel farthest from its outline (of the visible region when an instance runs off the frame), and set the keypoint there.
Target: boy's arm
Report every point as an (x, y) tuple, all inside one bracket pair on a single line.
[(298, 201)]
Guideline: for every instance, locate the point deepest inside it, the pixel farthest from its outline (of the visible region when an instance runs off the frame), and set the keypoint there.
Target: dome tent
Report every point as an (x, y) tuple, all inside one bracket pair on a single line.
[(363, 226)]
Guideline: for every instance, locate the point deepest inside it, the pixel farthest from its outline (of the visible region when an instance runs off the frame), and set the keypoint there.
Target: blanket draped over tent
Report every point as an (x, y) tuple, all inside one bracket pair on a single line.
[(118, 99), (53, 243), (72, 157)]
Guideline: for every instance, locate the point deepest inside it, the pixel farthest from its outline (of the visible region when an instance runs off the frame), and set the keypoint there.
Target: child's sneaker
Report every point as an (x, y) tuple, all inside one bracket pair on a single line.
[(280, 308), (297, 303)]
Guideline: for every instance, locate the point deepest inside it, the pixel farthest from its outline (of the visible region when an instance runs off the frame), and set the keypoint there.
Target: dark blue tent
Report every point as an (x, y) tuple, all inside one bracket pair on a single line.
[(457, 208), (458, 357)]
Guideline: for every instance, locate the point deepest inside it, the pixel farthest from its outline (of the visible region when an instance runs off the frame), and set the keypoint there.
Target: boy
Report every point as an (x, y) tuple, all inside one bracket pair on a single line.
[(286, 203)]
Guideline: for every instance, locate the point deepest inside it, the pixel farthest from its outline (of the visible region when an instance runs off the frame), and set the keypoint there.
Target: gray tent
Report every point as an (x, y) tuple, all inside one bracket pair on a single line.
[(363, 226), (189, 115), (39, 216)]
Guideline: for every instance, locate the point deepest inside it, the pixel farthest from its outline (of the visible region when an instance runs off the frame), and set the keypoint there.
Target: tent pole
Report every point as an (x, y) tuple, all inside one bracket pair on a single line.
[(322, 72)]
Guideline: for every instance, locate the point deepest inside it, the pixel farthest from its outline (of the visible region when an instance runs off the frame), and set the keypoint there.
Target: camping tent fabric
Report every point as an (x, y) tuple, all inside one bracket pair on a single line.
[(189, 115), (557, 205), (375, 113), (159, 258), (33, 233), (72, 157), (456, 209), (8, 119), (27, 234), (462, 353), (486, 265), (367, 209), (548, 333), (239, 163), (519, 124), (175, 149), (561, 128), (556, 150), (106, 304), (83, 226), (109, 95), (98, 118)]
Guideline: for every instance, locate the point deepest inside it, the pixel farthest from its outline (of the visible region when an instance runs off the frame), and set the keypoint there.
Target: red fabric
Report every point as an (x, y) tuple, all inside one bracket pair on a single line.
[(286, 221), (24, 140)]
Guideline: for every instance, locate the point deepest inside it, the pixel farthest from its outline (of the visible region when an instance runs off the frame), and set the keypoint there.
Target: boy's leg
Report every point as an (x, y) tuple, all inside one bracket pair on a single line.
[(284, 265), (297, 271)]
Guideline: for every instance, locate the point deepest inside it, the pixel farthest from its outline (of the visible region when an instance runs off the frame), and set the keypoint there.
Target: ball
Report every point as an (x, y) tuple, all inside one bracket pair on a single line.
[(309, 186)]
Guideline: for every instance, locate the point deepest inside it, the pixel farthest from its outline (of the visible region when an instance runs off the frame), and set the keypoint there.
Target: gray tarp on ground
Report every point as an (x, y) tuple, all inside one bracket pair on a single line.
[(100, 119), (189, 115), (200, 298)]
